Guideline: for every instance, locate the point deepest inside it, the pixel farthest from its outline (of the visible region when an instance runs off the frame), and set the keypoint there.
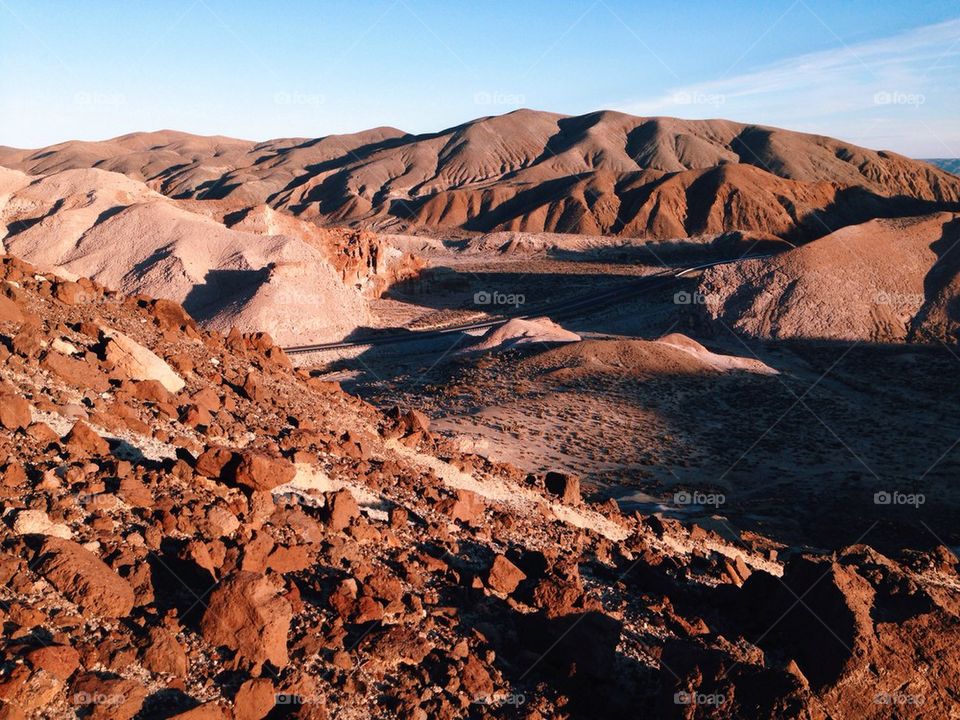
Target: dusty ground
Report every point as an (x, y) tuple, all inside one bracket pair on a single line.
[(797, 456)]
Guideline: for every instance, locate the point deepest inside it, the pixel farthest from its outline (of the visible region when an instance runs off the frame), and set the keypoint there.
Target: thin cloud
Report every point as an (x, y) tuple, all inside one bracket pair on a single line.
[(900, 92)]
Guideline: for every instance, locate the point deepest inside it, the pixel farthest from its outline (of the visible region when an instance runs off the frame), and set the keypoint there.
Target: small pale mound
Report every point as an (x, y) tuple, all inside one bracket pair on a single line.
[(723, 363), (674, 354), (525, 332)]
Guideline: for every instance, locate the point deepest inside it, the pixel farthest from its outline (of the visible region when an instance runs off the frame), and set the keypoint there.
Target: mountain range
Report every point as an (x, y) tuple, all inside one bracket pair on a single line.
[(603, 173)]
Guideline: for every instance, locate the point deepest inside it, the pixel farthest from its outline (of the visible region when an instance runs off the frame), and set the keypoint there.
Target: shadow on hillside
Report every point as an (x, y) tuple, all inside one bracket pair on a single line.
[(221, 289), (943, 272)]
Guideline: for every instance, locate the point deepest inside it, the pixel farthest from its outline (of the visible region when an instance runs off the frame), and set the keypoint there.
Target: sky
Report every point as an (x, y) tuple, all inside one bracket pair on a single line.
[(880, 74)]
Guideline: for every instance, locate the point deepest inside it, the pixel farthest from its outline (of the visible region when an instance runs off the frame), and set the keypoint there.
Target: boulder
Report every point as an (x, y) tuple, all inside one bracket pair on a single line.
[(136, 362), (564, 486), (84, 579), (261, 472), (82, 439), (163, 653), (10, 311), (248, 614), (341, 509), (78, 373), (254, 700), (61, 661), (504, 576), (103, 698), (170, 315), (14, 410), (36, 522), (212, 461), (466, 506)]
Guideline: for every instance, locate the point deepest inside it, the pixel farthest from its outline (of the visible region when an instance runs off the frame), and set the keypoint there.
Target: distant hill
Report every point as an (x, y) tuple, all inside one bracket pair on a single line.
[(604, 173), (887, 280), (951, 165)]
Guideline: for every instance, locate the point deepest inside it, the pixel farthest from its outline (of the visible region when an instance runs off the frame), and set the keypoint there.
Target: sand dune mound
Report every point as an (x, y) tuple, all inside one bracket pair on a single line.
[(106, 226), (882, 281), (603, 173), (674, 354), (524, 332)]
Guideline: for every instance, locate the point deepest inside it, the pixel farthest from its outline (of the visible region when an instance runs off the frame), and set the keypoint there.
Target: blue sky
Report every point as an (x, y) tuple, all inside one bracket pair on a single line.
[(881, 74)]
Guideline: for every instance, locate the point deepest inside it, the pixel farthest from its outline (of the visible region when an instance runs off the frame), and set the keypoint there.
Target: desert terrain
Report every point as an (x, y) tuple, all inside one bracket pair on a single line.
[(536, 417)]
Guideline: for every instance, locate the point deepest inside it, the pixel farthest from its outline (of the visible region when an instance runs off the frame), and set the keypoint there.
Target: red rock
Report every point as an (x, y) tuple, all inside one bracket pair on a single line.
[(398, 517), (195, 416), (150, 391), (246, 613), (383, 585), (208, 711), (78, 373), (466, 507), (557, 597), (10, 311), (170, 315), (476, 680), (61, 661), (368, 610), (84, 578), (286, 559), (29, 341), (69, 293), (82, 439), (261, 472), (342, 508), (212, 461), (253, 388), (14, 410), (564, 486), (415, 421), (107, 698), (207, 399), (163, 653), (8, 711), (504, 576), (254, 700), (135, 493), (29, 691)]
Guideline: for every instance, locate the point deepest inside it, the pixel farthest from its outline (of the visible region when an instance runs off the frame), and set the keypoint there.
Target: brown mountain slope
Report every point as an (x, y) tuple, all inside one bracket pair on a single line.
[(601, 173), (266, 271), (887, 280)]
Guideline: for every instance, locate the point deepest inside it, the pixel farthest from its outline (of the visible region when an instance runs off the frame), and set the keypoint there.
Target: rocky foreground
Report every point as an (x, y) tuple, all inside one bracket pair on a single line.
[(193, 529)]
